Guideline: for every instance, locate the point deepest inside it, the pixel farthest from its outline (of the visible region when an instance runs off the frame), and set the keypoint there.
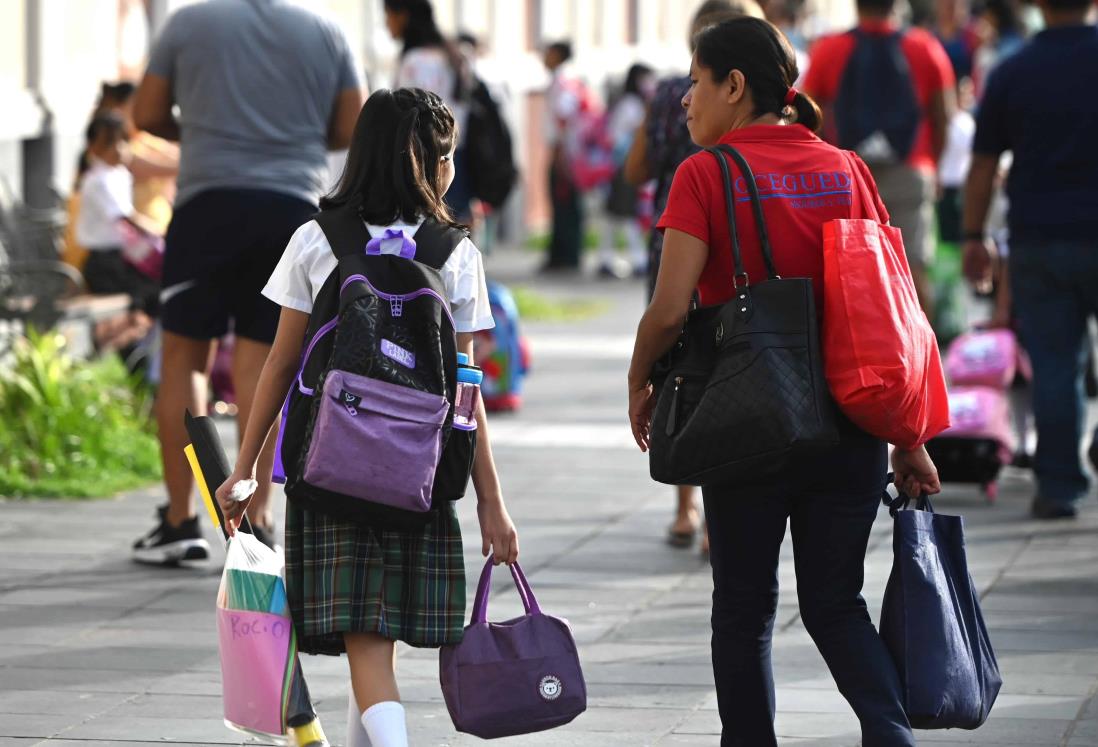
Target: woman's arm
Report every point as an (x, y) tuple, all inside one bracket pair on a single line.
[(684, 258), (497, 531), (635, 170), (274, 381)]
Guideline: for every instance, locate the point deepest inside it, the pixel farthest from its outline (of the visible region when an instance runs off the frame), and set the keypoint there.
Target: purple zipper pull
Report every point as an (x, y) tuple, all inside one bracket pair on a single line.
[(396, 305)]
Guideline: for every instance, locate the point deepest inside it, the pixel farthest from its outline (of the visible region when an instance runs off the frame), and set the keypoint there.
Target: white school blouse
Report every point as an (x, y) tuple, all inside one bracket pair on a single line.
[(308, 261)]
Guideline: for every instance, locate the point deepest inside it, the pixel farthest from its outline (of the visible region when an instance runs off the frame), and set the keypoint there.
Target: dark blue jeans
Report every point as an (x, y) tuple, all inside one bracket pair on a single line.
[(1055, 290), (830, 504)]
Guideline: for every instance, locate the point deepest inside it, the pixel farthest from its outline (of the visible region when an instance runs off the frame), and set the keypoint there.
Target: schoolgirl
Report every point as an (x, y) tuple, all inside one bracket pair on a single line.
[(355, 587)]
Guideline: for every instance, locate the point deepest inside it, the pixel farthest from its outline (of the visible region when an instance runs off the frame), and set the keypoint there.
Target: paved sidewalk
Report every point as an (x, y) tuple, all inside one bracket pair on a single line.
[(95, 650)]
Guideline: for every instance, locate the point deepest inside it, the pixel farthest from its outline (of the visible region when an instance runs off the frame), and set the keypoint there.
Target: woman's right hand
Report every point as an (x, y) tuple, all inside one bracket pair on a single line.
[(233, 510), (915, 472)]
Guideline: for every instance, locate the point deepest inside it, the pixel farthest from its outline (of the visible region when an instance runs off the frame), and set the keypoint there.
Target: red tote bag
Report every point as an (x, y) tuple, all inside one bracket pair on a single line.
[(881, 358)]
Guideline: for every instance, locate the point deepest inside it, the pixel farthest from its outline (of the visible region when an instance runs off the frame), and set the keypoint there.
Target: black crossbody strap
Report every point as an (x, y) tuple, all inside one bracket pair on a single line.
[(738, 272), (756, 206)]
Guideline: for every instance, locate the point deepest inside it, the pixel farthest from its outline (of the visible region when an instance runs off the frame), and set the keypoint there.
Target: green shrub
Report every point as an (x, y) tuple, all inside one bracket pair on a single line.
[(72, 429), (535, 307)]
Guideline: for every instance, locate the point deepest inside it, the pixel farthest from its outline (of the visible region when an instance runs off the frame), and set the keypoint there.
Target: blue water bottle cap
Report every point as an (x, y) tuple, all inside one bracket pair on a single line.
[(463, 359), (470, 376)]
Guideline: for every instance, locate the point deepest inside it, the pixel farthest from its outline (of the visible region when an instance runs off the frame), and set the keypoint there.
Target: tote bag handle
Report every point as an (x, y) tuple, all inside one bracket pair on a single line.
[(480, 604), (756, 203)]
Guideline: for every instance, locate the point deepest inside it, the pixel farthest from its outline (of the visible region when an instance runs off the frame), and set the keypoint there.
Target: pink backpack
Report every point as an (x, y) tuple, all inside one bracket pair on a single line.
[(990, 357)]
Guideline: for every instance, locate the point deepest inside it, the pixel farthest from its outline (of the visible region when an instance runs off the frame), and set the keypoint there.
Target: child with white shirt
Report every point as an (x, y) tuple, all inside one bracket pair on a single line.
[(358, 587), (106, 206)]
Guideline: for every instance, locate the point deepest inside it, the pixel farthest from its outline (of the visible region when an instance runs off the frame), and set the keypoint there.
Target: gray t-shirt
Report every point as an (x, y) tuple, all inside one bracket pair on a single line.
[(256, 82)]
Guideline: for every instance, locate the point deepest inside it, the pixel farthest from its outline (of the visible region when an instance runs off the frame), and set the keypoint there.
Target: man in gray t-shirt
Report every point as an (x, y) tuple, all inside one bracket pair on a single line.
[(265, 89)]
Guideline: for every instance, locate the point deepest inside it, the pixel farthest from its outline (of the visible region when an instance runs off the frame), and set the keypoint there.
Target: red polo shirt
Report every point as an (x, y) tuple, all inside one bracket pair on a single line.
[(931, 72), (803, 183)]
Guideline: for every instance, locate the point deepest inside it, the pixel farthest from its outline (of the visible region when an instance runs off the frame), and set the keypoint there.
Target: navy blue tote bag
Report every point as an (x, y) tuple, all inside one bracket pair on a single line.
[(931, 622)]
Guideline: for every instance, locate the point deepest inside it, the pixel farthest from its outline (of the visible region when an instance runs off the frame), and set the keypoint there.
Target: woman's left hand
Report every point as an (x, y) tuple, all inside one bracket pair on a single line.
[(497, 531), (642, 401)]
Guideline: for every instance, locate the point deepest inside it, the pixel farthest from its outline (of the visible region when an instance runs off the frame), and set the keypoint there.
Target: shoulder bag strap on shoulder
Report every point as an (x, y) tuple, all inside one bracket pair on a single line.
[(345, 230), (756, 206), (435, 243), (738, 272)]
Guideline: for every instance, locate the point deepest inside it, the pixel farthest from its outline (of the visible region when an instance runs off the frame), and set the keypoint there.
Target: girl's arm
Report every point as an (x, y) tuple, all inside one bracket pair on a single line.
[(684, 258), (497, 531), (274, 381)]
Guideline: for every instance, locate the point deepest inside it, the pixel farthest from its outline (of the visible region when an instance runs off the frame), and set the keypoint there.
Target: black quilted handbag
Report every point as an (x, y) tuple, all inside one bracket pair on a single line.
[(742, 392)]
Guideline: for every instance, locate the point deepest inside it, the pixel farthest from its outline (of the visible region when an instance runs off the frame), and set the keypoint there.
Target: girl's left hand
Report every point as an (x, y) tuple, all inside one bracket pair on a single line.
[(642, 401), (497, 531)]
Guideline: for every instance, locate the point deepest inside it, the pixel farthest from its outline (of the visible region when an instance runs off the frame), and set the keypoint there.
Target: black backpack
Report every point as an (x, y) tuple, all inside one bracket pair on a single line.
[(381, 357), (491, 160), (876, 111)]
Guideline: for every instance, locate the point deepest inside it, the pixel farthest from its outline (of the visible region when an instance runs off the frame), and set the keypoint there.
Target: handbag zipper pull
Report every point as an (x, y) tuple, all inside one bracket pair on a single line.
[(673, 416)]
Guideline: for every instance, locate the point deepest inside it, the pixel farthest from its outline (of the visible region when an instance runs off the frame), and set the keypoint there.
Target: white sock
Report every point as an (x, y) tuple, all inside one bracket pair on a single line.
[(356, 732), (385, 724)]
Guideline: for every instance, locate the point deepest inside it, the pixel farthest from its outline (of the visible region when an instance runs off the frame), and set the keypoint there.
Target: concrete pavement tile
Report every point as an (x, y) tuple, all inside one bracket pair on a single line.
[(682, 697), (155, 729), (90, 680), (1058, 707), (1045, 683), (57, 702), (998, 730), (17, 742), (1021, 663), (35, 724), (122, 743), (650, 674), (203, 707), (147, 658)]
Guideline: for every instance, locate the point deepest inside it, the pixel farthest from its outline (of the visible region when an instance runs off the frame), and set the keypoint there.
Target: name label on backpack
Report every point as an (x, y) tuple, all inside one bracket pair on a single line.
[(404, 357)]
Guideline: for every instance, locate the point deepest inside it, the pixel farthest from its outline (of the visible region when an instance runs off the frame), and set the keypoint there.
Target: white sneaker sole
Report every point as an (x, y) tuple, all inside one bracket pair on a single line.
[(173, 552)]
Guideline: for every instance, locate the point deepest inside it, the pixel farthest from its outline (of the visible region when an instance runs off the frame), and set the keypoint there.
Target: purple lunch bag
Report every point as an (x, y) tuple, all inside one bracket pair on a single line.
[(514, 677)]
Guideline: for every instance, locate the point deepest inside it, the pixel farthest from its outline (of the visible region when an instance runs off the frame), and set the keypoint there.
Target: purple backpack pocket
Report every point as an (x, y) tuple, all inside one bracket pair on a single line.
[(515, 677), (376, 441)]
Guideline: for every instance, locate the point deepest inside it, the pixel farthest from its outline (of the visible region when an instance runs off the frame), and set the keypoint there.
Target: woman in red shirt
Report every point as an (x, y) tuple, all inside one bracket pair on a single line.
[(742, 75)]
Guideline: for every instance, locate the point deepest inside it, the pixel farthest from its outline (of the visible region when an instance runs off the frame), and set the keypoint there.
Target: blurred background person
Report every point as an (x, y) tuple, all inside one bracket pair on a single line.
[(563, 101), (1039, 105), (264, 89), (890, 92), (958, 33), (430, 62), (662, 142), (1002, 33), (622, 202)]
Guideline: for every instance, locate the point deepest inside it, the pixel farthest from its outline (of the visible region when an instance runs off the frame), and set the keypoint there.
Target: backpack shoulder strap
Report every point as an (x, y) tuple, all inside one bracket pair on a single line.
[(345, 230), (435, 242)]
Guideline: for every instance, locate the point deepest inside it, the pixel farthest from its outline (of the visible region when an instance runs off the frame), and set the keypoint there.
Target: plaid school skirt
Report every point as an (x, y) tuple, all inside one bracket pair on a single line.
[(352, 578)]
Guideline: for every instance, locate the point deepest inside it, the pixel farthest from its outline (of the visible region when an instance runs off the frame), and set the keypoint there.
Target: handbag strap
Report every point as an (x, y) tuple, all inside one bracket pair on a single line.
[(901, 501), (756, 207), (484, 586), (738, 271)]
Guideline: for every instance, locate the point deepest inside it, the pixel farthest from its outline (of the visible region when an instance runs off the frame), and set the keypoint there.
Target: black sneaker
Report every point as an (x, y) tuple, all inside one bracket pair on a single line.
[(1043, 508), (1092, 452), (168, 545)]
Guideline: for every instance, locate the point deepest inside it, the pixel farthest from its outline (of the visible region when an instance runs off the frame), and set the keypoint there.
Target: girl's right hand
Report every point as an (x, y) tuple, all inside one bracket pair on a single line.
[(233, 510)]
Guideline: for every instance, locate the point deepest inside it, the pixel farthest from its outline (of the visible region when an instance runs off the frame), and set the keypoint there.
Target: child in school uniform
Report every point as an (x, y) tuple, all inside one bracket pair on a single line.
[(356, 587), (106, 204)]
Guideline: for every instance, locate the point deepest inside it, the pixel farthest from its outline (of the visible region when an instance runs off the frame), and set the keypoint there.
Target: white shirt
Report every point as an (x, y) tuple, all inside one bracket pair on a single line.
[(431, 69), (309, 260), (562, 105), (106, 196), (957, 154)]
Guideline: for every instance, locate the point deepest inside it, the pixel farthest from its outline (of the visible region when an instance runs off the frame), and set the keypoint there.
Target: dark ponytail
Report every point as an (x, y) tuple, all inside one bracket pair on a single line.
[(758, 50), (393, 170)]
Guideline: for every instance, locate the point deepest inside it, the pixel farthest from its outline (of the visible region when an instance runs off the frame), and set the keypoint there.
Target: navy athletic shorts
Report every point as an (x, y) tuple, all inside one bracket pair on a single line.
[(221, 248)]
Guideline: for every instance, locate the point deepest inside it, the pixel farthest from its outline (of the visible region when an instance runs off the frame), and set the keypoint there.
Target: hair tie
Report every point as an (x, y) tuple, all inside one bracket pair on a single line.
[(790, 96)]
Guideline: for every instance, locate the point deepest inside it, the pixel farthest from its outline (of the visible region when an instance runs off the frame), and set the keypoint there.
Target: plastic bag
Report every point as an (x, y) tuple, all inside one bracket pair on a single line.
[(255, 638), (881, 357)]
